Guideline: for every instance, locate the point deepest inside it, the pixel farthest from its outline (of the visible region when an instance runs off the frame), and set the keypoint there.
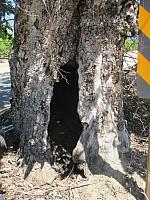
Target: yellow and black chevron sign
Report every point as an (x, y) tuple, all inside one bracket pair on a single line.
[(143, 69)]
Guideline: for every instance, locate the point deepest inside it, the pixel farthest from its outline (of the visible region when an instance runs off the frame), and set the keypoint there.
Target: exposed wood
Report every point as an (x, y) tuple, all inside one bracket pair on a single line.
[(52, 35)]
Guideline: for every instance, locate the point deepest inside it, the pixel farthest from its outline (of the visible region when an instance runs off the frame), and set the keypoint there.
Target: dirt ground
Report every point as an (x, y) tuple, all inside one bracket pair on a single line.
[(74, 186), (12, 185)]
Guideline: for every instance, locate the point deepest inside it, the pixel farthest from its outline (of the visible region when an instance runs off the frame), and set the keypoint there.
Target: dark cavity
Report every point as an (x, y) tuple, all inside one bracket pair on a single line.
[(65, 126)]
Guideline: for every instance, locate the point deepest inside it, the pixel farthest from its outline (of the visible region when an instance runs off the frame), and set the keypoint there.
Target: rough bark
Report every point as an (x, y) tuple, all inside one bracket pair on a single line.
[(49, 34), (3, 146)]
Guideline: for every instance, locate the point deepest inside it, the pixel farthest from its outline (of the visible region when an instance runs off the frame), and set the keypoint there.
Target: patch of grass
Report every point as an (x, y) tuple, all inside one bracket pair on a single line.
[(5, 46), (130, 44)]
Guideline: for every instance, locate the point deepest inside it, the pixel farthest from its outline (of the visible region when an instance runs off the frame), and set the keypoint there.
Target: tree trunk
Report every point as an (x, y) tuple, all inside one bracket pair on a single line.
[(71, 50)]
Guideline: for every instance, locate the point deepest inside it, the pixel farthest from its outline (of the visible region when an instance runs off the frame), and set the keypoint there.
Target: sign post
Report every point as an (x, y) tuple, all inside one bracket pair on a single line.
[(148, 171), (143, 69)]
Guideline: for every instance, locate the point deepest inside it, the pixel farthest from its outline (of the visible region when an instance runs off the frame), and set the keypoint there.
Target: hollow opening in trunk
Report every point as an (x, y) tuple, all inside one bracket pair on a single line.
[(65, 126)]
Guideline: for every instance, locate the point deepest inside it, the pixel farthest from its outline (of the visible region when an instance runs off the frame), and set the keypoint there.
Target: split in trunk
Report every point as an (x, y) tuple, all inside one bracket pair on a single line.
[(65, 126), (48, 41)]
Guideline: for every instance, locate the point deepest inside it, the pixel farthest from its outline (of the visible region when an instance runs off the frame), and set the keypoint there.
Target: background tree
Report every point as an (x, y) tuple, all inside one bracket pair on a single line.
[(6, 27), (66, 85), (6, 9)]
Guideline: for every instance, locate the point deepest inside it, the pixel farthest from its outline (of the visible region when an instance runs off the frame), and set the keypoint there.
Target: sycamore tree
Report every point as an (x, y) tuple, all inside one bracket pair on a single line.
[(66, 85)]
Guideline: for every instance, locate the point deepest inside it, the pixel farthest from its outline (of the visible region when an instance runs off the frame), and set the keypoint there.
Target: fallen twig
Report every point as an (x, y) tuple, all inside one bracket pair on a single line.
[(69, 174), (80, 186)]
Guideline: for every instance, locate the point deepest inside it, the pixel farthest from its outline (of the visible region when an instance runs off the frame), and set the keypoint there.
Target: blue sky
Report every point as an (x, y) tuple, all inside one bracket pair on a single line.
[(11, 22)]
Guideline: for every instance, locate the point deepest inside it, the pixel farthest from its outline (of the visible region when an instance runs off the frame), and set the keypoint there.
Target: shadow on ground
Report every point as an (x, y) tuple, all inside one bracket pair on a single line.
[(137, 162), (98, 166), (5, 89), (136, 110)]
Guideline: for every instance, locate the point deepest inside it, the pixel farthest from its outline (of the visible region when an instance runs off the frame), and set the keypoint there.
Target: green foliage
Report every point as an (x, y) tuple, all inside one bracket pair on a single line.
[(6, 9), (5, 46), (6, 37), (130, 45)]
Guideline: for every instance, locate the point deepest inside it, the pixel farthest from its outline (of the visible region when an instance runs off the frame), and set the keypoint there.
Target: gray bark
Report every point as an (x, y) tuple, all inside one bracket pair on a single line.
[(3, 146), (49, 35)]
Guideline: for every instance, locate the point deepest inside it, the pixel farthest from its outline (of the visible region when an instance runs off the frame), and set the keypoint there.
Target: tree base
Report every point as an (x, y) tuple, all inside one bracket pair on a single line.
[(39, 175)]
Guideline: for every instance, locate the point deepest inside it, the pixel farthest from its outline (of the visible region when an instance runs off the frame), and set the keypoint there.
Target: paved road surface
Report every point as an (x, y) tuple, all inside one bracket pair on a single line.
[(5, 84), (130, 59)]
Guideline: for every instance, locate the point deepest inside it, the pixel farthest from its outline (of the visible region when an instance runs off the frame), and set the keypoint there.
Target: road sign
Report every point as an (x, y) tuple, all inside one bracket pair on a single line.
[(143, 69)]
